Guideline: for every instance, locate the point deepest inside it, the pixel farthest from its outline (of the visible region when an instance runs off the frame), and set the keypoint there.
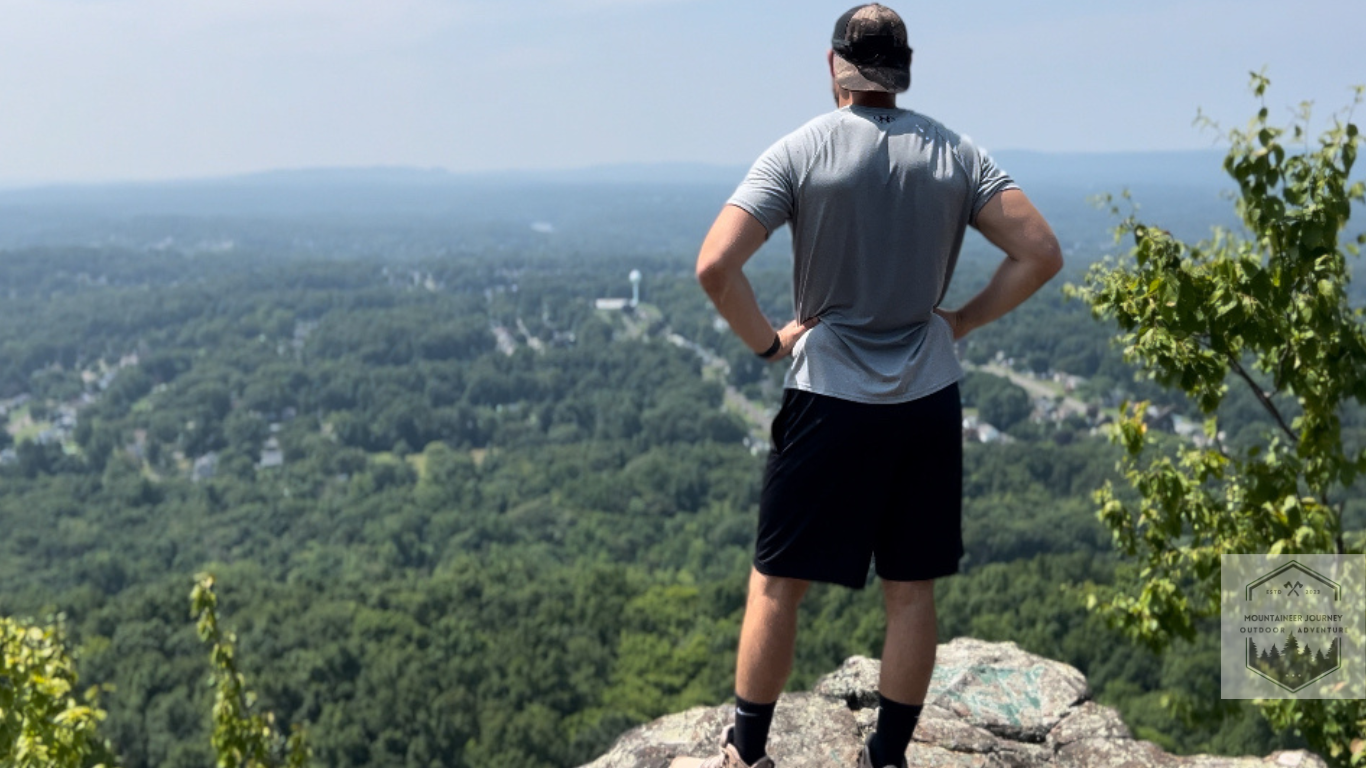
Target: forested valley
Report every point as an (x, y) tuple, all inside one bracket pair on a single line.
[(460, 515)]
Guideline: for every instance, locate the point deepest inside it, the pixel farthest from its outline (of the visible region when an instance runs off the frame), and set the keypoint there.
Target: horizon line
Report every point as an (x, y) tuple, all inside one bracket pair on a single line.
[(446, 174)]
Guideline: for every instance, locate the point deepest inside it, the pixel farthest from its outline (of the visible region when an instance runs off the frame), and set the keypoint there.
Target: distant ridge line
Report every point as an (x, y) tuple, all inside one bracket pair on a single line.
[(1202, 167)]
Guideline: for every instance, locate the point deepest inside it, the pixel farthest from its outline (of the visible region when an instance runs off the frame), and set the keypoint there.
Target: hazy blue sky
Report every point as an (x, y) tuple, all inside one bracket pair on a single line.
[(145, 89)]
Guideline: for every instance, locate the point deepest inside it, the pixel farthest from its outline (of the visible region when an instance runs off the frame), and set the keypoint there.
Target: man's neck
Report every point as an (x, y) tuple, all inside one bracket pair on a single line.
[(879, 99)]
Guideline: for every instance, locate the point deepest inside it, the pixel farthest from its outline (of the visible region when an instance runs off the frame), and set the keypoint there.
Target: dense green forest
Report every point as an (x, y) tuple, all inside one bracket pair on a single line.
[(461, 517)]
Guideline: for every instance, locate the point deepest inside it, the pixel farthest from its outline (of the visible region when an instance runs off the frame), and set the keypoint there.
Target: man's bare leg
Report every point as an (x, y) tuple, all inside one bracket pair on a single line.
[(768, 638), (908, 655), (912, 638)]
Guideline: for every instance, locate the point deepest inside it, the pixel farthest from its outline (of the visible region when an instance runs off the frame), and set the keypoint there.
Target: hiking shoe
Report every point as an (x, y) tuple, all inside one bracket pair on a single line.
[(865, 760), (728, 758)]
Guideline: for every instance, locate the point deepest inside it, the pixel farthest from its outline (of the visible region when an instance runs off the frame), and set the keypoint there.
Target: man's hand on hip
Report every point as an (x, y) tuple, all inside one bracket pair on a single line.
[(790, 334), (955, 321)]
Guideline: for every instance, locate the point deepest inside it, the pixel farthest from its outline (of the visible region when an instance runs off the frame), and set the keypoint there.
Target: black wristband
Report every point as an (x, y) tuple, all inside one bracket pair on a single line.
[(773, 349)]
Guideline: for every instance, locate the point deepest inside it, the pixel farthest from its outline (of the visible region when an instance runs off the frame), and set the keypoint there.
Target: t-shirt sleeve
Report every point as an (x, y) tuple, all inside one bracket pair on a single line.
[(768, 191), (991, 179)]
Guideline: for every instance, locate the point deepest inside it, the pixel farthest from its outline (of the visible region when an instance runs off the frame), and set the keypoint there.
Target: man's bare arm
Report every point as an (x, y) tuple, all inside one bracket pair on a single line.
[(733, 239), (1012, 223)]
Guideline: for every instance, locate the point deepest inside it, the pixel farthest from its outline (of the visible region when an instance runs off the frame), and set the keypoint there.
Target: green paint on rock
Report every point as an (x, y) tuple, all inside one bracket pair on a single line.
[(1008, 693)]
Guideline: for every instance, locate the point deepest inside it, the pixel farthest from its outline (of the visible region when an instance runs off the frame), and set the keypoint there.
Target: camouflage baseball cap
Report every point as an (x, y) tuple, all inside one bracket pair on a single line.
[(870, 47)]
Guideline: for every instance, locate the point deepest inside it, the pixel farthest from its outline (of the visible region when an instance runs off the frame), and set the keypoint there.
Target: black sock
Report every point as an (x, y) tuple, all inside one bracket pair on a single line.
[(895, 724), (751, 729)]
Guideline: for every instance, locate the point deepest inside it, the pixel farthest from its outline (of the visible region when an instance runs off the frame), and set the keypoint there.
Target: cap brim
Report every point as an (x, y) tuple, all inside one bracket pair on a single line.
[(870, 78)]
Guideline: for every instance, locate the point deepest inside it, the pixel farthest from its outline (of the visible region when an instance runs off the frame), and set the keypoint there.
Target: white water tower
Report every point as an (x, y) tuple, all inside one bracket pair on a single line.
[(635, 287)]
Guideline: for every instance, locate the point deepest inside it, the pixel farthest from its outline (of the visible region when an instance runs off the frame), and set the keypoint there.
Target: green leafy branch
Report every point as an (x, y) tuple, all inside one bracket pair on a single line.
[(241, 739), (44, 722)]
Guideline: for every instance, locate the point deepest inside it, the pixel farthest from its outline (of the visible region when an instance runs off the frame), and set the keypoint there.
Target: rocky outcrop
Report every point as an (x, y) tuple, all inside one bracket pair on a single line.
[(990, 705)]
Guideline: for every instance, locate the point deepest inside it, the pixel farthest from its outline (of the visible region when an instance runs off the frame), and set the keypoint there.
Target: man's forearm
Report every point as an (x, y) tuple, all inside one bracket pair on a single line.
[(1014, 281), (733, 238), (1010, 222), (733, 297)]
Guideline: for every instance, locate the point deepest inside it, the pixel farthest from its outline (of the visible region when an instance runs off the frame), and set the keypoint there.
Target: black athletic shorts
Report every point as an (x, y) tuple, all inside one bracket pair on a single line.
[(848, 483)]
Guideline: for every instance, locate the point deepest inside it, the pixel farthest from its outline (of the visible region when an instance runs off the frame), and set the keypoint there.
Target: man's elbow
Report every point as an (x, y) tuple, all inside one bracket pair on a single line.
[(1055, 258), (712, 277), (1047, 257)]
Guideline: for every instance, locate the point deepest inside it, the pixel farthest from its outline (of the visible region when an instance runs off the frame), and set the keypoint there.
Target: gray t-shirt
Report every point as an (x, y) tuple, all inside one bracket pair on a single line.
[(878, 200)]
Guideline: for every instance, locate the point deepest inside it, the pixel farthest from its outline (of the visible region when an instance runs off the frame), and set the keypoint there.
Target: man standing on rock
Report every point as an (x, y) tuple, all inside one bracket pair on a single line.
[(866, 459)]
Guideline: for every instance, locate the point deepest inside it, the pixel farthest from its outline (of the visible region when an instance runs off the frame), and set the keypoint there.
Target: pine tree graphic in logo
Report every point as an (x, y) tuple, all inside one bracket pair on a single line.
[(1292, 666)]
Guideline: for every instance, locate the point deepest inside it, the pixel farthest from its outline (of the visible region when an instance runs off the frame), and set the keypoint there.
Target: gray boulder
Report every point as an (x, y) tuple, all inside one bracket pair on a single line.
[(990, 705)]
